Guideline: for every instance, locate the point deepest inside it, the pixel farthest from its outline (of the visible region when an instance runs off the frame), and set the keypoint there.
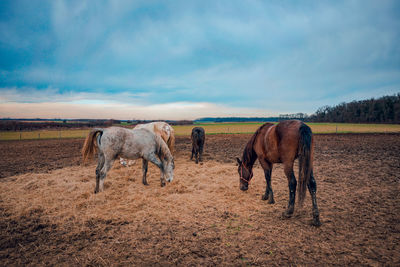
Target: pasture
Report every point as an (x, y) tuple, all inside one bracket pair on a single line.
[(212, 128), (50, 215)]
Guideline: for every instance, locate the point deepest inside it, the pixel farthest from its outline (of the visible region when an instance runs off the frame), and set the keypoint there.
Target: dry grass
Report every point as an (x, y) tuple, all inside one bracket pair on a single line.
[(202, 218)]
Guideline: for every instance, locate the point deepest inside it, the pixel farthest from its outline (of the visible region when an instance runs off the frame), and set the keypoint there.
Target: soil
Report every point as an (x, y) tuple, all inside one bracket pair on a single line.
[(50, 215)]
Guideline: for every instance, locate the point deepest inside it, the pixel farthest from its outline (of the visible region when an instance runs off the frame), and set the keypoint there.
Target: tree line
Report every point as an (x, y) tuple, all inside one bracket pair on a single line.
[(39, 124), (18, 125), (382, 110)]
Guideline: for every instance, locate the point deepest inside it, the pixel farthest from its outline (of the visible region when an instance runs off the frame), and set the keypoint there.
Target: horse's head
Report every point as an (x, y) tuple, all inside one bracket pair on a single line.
[(169, 167), (245, 175)]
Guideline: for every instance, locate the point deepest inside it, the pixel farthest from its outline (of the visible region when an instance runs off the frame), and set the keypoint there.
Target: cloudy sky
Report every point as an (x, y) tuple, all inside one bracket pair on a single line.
[(190, 59)]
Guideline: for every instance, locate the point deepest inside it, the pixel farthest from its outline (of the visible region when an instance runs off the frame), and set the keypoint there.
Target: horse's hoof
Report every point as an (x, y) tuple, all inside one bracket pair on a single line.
[(146, 184), (316, 223), (286, 214), (162, 184), (264, 197), (271, 201)]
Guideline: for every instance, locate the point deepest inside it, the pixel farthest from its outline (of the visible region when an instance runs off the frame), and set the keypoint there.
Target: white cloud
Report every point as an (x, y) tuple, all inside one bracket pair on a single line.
[(54, 95), (169, 111)]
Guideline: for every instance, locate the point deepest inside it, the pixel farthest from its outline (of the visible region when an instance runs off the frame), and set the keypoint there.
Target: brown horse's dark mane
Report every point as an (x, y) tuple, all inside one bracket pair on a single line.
[(249, 155)]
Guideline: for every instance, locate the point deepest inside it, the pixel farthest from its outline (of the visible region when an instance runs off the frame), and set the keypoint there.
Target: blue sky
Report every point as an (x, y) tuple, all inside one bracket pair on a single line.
[(190, 59)]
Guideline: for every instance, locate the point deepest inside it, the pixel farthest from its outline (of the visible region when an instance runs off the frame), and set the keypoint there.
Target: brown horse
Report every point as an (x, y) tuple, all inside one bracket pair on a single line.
[(282, 143)]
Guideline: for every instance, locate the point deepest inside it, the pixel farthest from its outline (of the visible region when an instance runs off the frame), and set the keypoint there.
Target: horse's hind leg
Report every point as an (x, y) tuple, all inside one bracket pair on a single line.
[(100, 165), (191, 157), (269, 194), (201, 153), (145, 164), (312, 187), (292, 183), (103, 173), (196, 154)]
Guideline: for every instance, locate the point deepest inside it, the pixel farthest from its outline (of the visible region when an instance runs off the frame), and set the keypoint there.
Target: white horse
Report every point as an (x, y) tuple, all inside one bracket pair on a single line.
[(132, 144), (160, 128)]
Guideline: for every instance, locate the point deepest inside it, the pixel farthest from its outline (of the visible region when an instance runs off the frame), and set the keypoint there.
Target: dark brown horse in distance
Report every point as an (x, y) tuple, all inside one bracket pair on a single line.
[(198, 139), (282, 143)]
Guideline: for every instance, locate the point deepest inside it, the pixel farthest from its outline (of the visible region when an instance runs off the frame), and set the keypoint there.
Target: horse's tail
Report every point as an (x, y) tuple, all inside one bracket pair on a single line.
[(171, 141), (90, 145), (305, 161)]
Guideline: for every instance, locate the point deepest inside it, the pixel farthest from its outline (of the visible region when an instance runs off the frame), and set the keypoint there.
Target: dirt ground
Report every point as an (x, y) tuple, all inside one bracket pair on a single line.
[(50, 216)]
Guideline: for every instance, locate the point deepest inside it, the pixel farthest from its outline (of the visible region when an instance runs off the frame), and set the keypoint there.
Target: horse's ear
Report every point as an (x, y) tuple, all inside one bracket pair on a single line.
[(239, 162)]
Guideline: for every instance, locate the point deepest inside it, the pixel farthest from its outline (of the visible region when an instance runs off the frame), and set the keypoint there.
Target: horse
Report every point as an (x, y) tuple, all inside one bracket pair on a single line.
[(160, 128), (198, 138), (282, 143), (132, 144)]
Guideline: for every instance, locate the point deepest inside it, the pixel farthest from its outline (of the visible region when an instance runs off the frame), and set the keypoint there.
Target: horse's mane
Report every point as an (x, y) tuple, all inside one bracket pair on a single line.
[(249, 155), (159, 128), (171, 141), (162, 150)]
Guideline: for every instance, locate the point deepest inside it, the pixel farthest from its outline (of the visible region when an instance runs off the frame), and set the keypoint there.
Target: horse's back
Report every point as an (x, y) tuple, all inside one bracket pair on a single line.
[(114, 135), (127, 143), (279, 143), (163, 129), (198, 134), (112, 140), (266, 143), (288, 134), (142, 137)]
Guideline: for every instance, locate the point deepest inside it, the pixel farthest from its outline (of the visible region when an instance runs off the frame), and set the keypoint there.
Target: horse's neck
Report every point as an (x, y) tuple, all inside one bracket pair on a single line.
[(164, 149), (249, 155)]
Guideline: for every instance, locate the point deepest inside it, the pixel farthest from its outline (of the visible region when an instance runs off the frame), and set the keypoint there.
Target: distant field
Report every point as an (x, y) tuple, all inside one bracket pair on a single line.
[(45, 134), (319, 128), (215, 128)]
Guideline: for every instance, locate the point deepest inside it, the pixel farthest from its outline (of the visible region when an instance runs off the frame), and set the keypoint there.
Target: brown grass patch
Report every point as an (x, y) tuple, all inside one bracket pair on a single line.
[(202, 218)]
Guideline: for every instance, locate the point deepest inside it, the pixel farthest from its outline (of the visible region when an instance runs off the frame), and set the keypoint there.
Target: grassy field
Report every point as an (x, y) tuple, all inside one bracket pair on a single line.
[(44, 134), (318, 128), (215, 128)]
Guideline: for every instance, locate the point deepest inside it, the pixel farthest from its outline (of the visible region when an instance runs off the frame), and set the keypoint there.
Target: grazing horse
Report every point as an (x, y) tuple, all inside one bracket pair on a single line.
[(198, 138), (282, 143), (132, 144), (160, 128)]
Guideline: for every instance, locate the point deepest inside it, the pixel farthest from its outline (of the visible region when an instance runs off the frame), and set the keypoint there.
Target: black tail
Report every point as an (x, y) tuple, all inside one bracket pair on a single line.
[(305, 161)]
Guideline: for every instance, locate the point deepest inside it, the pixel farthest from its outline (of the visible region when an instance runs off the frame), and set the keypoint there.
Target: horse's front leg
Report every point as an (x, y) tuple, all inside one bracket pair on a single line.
[(145, 164), (153, 159), (269, 194), (292, 183)]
